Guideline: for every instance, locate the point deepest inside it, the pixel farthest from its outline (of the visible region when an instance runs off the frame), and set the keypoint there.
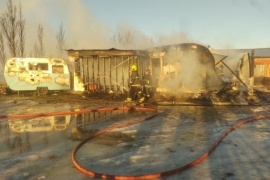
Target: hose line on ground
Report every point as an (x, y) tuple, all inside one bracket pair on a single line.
[(154, 175), (133, 177)]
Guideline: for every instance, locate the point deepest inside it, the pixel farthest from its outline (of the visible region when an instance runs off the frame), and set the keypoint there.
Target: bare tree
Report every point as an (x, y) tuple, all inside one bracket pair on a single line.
[(21, 26), (124, 38), (117, 38), (9, 26), (60, 37), (128, 38), (39, 45), (2, 50), (40, 40), (36, 50)]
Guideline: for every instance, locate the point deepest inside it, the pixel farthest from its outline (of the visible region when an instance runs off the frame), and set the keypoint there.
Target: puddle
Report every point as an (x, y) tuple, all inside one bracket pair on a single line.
[(31, 134), (24, 135)]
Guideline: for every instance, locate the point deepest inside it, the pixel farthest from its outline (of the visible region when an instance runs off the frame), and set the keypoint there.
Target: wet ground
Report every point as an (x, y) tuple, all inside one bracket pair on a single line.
[(41, 147)]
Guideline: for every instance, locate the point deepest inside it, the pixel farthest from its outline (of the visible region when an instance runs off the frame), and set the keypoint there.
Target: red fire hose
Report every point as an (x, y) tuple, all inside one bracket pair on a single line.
[(155, 175), (134, 177)]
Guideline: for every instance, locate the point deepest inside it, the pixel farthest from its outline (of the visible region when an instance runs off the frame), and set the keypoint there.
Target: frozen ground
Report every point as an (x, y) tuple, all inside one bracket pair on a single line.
[(32, 149)]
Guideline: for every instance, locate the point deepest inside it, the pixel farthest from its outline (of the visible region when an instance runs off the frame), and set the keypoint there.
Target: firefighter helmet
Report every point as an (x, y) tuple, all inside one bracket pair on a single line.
[(134, 67)]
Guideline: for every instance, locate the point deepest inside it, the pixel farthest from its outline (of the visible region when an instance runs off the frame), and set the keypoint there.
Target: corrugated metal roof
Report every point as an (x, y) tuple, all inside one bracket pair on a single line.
[(105, 52), (262, 52)]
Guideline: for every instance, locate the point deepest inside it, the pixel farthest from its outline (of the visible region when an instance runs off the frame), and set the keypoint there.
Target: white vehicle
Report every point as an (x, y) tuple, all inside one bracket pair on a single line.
[(41, 74)]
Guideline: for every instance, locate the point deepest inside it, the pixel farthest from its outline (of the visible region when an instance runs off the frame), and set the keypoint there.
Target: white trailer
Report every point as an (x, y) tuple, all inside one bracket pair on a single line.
[(41, 74), (40, 124)]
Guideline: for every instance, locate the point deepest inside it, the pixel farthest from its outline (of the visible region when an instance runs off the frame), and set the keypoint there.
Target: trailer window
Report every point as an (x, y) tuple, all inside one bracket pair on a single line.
[(60, 119), (57, 69), (38, 66), (43, 66)]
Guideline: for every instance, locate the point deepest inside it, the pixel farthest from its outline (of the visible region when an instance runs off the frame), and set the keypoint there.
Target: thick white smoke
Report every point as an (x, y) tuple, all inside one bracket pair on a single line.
[(189, 70), (82, 29)]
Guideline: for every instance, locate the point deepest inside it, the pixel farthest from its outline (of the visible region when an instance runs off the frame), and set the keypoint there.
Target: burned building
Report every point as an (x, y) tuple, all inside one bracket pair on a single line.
[(235, 68), (184, 68), (107, 70), (175, 69), (185, 72), (251, 67)]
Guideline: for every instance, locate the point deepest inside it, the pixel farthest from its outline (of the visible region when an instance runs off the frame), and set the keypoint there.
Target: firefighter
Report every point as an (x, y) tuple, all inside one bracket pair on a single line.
[(147, 85), (135, 85)]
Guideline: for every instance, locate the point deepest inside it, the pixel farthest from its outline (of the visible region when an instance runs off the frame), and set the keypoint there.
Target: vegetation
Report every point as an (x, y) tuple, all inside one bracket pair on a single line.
[(60, 37), (12, 28), (12, 35)]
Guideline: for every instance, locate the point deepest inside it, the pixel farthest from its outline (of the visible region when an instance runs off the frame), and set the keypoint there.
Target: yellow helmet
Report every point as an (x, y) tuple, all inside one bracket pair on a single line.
[(134, 67)]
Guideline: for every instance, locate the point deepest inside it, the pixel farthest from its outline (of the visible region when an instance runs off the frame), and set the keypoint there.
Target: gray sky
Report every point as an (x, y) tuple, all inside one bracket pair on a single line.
[(92, 23)]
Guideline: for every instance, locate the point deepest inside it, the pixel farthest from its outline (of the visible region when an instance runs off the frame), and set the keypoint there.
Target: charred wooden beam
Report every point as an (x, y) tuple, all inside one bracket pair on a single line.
[(106, 53)]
